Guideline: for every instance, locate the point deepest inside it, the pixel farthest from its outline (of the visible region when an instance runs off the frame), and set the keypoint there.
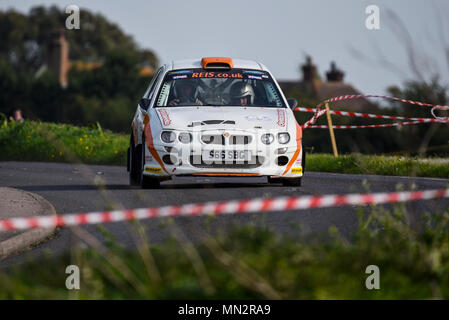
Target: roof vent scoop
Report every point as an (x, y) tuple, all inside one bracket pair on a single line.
[(217, 63)]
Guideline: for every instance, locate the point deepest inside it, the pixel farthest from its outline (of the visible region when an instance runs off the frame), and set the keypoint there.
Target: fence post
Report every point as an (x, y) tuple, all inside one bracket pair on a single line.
[(331, 130)]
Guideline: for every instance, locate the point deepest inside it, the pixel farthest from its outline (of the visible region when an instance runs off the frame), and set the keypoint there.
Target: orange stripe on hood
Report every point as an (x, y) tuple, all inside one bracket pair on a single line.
[(150, 144), (298, 148)]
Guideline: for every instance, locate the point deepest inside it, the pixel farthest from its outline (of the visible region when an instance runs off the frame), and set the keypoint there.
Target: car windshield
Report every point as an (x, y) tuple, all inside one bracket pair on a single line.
[(236, 87)]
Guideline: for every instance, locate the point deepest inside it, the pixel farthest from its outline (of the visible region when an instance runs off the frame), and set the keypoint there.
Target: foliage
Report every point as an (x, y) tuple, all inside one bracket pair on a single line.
[(379, 164), (36, 141), (107, 93), (25, 37), (254, 262)]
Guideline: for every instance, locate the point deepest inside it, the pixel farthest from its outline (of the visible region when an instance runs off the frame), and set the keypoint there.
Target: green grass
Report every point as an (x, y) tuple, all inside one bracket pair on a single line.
[(252, 262), (379, 164), (36, 141)]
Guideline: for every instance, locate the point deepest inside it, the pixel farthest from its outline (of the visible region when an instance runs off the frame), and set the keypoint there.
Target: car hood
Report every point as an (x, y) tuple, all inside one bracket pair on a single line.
[(186, 118)]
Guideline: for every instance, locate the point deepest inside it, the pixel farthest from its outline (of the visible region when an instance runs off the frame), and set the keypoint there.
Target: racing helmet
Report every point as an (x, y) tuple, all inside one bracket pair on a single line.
[(183, 83), (241, 90)]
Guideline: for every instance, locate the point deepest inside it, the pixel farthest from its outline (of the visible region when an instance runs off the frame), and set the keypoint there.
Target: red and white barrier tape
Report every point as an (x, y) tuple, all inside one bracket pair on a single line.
[(358, 96), (396, 124), (370, 115), (446, 119), (222, 207), (318, 113)]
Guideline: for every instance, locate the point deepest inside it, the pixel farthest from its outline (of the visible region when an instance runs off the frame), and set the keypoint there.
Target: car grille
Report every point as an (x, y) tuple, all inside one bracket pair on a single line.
[(240, 139), (213, 139), (255, 162), (219, 139)]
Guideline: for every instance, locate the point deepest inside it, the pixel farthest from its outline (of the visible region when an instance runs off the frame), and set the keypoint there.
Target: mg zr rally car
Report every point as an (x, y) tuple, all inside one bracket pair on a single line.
[(215, 117)]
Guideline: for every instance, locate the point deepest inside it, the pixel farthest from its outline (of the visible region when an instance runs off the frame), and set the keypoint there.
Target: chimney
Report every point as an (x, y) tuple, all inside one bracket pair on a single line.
[(58, 56), (308, 70), (335, 74)]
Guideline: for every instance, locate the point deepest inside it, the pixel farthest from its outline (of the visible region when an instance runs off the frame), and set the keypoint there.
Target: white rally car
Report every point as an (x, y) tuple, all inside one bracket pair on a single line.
[(216, 117)]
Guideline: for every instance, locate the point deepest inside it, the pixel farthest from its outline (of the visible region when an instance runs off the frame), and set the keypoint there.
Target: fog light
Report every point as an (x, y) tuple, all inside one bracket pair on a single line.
[(169, 159), (281, 150), (281, 161), (171, 149)]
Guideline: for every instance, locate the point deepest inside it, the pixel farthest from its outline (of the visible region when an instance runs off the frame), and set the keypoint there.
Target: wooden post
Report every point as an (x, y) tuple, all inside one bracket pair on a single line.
[(331, 130)]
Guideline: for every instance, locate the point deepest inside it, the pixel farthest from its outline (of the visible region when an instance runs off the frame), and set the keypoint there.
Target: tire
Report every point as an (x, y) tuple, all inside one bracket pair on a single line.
[(145, 181), (134, 165), (274, 180), (303, 161), (291, 182)]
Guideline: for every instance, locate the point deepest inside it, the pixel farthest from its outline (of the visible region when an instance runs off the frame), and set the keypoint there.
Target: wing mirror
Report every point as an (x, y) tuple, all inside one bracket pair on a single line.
[(144, 103), (292, 103)]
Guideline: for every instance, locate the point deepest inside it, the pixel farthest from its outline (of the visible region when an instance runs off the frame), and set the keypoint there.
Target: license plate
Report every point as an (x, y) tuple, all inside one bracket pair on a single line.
[(227, 155)]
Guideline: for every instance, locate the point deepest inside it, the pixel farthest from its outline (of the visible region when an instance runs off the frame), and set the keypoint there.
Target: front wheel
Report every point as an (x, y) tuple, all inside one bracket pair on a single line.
[(134, 162), (291, 182), (274, 180)]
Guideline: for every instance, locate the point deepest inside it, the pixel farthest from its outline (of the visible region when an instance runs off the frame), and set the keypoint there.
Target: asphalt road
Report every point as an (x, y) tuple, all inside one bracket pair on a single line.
[(80, 188)]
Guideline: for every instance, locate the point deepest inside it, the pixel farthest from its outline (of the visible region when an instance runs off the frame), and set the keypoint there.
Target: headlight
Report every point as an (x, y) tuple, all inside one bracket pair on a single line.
[(267, 138), (171, 149), (168, 136), (283, 137), (185, 137)]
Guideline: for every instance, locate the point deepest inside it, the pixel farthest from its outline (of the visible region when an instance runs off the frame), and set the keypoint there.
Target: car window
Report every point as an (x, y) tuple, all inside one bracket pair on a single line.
[(236, 87)]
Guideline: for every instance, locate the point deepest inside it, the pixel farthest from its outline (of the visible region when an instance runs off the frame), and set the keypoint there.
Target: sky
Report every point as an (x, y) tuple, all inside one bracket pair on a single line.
[(281, 33)]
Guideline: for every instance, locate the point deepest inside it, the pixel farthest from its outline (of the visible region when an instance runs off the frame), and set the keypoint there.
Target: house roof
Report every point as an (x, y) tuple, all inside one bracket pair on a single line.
[(324, 90), (331, 89)]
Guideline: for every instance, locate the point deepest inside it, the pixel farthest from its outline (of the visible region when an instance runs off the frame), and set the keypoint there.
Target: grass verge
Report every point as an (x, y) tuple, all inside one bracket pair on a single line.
[(39, 141), (379, 164), (252, 262)]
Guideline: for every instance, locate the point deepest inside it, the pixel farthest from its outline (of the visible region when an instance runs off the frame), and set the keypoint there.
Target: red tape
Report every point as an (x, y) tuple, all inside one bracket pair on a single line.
[(222, 207), (319, 113), (370, 115), (374, 125)]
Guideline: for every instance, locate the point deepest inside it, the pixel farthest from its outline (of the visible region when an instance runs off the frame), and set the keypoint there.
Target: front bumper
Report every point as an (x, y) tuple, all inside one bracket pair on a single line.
[(178, 159)]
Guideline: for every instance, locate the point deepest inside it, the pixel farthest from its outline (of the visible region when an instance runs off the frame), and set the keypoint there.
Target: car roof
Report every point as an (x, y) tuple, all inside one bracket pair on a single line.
[(196, 63)]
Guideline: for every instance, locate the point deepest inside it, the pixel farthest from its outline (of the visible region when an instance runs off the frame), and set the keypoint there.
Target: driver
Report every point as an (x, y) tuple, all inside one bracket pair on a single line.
[(242, 94), (185, 93)]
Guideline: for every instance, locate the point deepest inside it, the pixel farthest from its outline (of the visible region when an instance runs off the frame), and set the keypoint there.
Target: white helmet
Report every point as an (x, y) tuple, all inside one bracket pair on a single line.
[(241, 90)]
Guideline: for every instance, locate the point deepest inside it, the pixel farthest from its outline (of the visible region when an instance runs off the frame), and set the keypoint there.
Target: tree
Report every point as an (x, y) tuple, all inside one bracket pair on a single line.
[(24, 38), (107, 93)]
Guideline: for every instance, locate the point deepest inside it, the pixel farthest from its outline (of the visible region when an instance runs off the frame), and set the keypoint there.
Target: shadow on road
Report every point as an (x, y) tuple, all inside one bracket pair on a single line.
[(220, 185), (91, 187), (73, 187)]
